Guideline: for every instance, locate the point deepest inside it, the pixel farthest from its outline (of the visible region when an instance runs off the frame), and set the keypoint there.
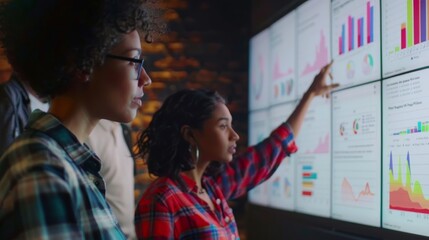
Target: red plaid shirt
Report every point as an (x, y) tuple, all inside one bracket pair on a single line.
[(169, 211)]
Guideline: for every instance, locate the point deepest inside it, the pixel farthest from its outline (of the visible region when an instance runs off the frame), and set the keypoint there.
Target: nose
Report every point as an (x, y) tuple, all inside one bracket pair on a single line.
[(144, 80), (234, 135)]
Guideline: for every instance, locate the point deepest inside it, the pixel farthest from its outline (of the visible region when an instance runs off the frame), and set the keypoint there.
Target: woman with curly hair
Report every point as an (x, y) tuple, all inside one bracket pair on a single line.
[(85, 56), (189, 138)]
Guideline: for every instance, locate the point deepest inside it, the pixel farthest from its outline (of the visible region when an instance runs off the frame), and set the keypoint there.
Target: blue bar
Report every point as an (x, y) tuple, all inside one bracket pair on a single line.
[(419, 126), (307, 168), (372, 24), (423, 20), (361, 32), (343, 37)]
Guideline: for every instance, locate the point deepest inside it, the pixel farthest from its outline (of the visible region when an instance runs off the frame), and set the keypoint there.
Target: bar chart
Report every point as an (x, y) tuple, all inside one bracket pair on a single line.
[(405, 153), (355, 27), (363, 23), (405, 35)]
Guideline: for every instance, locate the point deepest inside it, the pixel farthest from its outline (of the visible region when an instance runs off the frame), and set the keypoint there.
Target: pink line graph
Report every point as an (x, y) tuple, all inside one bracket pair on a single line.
[(322, 146), (321, 57), (364, 195)]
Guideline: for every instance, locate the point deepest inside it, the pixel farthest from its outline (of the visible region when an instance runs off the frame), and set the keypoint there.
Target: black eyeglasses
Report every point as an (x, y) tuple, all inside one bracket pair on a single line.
[(138, 63)]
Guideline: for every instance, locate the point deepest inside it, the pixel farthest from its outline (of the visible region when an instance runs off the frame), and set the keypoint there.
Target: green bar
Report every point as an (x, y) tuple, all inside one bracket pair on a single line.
[(410, 29), (397, 49)]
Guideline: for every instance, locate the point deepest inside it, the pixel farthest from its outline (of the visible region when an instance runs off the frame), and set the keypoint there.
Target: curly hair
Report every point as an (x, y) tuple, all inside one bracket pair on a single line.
[(48, 41), (161, 143)]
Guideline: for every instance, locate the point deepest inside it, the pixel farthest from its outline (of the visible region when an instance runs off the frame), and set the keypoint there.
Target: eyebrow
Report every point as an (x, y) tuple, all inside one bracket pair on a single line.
[(223, 118), (139, 51)]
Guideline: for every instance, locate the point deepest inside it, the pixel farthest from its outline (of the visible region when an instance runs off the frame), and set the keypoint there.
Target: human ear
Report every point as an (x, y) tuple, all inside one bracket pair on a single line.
[(188, 134)]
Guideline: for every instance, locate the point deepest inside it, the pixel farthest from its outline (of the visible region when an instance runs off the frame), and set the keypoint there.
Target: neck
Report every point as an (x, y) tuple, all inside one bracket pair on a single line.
[(73, 116), (197, 173)]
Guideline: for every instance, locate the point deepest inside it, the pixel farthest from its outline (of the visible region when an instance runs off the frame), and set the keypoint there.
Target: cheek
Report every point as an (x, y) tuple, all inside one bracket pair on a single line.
[(120, 86), (221, 143)]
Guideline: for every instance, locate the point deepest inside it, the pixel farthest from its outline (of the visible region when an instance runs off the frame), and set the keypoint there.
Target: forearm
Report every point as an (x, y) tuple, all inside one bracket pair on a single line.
[(256, 164), (296, 119)]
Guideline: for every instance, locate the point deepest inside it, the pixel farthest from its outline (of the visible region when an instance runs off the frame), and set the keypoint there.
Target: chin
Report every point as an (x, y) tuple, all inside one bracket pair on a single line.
[(228, 159), (124, 117)]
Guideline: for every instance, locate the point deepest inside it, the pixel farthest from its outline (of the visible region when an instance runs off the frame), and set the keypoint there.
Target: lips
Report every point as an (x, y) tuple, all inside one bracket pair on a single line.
[(232, 149), (137, 101)]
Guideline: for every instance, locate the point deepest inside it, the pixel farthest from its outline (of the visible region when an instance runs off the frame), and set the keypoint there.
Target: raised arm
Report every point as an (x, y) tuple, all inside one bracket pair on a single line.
[(317, 88), (259, 162)]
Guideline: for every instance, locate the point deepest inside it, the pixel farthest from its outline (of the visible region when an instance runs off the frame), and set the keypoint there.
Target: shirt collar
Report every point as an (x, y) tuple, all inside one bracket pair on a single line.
[(189, 184), (51, 126)]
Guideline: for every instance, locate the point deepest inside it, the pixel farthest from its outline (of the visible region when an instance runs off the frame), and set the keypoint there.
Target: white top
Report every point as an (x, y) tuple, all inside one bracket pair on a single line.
[(35, 103), (117, 169)]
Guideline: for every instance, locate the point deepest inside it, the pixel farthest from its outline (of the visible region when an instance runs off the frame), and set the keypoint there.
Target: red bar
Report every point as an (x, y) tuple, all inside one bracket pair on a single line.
[(403, 36), (359, 33), (416, 21), (368, 22), (339, 46), (307, 193), (350, 33), (306, 174)]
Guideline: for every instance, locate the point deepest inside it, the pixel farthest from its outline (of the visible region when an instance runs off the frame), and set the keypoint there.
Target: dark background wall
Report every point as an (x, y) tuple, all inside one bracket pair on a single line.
[(264, 13), (206, 46)]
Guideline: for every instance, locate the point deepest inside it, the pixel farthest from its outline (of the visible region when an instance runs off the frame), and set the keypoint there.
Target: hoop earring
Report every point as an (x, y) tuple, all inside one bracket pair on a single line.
[(197, 154)]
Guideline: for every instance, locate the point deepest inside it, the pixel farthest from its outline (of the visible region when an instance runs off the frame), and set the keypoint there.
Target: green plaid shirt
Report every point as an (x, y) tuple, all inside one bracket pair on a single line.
[(50, 187)]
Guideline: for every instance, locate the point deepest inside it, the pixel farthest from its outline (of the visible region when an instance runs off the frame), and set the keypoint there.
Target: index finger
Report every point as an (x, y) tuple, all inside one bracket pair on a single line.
[(328, 66), (327, 69)]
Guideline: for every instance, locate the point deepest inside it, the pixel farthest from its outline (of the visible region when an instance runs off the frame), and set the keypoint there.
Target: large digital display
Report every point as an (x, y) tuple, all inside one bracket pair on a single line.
[(362, 154)]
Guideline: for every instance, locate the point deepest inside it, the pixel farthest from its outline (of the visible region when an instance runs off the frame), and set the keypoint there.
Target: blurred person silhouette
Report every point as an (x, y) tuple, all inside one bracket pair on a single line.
[(111, 141), (17, 101), (89, 65)]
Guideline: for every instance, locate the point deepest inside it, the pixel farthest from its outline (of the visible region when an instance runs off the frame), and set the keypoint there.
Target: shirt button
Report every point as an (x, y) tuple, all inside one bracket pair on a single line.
[(227, 219), (218, 201)]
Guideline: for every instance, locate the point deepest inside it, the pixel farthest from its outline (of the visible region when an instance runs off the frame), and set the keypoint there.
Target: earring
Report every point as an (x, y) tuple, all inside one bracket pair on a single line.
[(197, 154)]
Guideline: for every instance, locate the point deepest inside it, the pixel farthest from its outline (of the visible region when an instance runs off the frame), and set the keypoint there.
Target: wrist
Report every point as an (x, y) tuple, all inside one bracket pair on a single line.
[(309, 94)]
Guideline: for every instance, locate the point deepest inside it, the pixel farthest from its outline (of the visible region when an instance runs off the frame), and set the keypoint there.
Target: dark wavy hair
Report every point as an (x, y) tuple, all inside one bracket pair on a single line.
[(161, 143), (48, 41)]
